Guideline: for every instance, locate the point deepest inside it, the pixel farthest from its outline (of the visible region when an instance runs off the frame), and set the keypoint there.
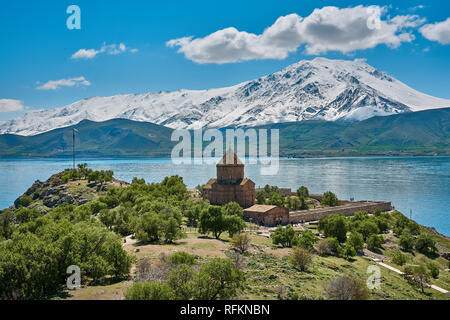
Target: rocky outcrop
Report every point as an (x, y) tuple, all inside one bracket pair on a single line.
[(55, 191)]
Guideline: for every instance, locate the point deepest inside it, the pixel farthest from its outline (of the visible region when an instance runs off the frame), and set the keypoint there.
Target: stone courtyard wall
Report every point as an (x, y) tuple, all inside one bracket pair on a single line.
[(348, 209)]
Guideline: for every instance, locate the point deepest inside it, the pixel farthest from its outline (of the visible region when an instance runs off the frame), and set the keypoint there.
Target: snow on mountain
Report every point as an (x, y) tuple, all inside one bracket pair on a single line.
[(310, 89)]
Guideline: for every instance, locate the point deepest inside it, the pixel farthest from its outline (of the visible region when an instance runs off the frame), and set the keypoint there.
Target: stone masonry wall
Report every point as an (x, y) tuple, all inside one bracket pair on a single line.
[(347, 209)]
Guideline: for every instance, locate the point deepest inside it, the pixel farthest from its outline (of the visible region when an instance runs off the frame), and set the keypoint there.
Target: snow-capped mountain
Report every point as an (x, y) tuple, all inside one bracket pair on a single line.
[(310, 89)]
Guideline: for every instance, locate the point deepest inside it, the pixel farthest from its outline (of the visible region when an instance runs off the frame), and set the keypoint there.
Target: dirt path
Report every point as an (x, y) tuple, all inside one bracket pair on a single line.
[(401, 273)]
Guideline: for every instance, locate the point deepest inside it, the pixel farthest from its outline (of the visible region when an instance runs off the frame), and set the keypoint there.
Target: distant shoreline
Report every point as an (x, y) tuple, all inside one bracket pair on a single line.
[(168, 157)]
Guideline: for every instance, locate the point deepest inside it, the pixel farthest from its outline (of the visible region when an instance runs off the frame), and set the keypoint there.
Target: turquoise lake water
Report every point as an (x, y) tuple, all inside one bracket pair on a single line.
[(417, 186)]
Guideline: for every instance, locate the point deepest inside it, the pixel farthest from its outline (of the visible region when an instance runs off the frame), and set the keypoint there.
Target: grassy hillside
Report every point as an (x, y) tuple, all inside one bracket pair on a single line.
[(113, 138), (83, 213), (419, 133)]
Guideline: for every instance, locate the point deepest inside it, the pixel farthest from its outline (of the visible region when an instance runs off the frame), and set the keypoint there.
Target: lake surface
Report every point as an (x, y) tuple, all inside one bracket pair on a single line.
[(417, 186)]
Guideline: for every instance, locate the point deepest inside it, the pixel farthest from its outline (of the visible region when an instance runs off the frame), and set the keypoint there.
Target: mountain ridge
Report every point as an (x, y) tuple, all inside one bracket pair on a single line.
[(319, 89), (417, 133)]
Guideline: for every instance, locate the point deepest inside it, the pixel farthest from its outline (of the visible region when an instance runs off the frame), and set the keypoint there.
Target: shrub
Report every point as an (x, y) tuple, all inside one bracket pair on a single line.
[(347, 288), (149, 291), (306, 240), (181, 257), (241, 242), (349, 251), (399, 258), (328, 246), (433, 269), (25, 200), (300, 258)]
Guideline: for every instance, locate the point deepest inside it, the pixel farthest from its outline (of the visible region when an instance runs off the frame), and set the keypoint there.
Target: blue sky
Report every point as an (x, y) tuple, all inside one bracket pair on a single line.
[(38, 68)]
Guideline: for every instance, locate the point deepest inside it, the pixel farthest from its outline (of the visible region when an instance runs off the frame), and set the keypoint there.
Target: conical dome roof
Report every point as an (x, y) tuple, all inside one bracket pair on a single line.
[(230, 158)]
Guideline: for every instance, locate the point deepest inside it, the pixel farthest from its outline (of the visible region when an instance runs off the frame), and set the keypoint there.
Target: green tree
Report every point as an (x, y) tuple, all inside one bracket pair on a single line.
[(356, 241), (97, 206), (284, 236), (83, 170), (172, 230), (374, 242), (192, 211), (218, 279), (417, 276), (118, 259), (406, 242), (368, 228), (307, 239), (234, 224), (334, 226), (213, 221), (333, 246), (303, 192), (329, 199), (181, 281), (217, 220), (149, 227), (260, 197), (294, 203), (107, 217), (275, 199), (233, 209), (426, 245), (96, 267)]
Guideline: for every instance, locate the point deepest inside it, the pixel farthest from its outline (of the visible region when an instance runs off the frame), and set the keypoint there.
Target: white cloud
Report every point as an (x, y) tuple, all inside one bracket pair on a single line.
[(328, 29), (439, 31), (85, 54), (416, 8), (10, 105), (70, 82), (111, 49)]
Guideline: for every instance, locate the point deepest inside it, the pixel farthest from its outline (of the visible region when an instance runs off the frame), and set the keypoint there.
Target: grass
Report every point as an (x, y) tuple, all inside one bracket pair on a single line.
[(270, 275)]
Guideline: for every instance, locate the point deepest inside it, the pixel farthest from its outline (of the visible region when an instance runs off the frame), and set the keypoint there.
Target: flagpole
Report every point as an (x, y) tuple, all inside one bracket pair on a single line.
[(73, 147)]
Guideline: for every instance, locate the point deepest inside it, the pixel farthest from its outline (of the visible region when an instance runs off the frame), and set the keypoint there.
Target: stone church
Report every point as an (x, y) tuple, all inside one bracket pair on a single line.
[(230, 184)]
